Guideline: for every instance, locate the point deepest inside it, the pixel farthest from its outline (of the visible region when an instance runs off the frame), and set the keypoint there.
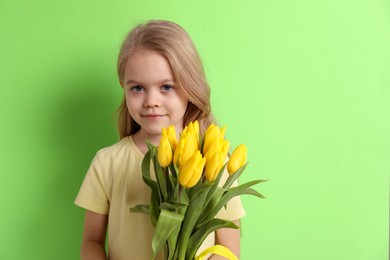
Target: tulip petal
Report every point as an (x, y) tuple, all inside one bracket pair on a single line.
[(237, 159), (171, 133), (192, 170), (213, 166), (164, 153)]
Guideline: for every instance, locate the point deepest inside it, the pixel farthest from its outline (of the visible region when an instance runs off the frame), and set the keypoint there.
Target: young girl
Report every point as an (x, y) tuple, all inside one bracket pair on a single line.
[(164, 84)]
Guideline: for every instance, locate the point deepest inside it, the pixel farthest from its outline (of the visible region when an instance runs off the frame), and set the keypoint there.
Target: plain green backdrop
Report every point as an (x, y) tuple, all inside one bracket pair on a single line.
[(305, 84)]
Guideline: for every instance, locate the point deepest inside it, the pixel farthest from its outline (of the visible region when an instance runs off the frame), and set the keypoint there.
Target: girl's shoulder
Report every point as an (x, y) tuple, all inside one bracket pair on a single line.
[(122, 148), (121, 144)]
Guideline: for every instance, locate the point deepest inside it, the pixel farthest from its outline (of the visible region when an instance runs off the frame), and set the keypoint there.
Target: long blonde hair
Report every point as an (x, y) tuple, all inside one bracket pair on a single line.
[(172, 42)]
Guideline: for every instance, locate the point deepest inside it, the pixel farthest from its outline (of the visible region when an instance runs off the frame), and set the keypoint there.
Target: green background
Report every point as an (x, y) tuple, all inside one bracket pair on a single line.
[(305, 84)]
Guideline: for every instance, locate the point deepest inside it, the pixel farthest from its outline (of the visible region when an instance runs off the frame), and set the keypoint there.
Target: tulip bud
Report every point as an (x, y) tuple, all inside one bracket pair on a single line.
[(192, 131), (213, 148), (214, 166), (211, 135), (164, 151), (192, 170), (171, 133), (237, 159), (196, 126), (196, 133), (185, 149), (225, 147)]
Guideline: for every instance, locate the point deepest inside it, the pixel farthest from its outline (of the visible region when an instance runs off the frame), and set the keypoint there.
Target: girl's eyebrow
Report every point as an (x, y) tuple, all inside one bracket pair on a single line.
[(130, 81), (165, 81)]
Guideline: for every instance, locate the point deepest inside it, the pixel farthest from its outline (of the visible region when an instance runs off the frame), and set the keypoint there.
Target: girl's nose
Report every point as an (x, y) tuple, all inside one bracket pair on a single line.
[(152, 99)]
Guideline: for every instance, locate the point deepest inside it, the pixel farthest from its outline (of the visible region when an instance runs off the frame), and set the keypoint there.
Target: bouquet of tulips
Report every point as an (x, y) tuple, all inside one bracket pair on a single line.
[(186, 194)]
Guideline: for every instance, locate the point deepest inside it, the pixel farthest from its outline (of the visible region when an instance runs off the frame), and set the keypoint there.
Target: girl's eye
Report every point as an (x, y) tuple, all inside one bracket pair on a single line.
[(137, 89), (166, 87)]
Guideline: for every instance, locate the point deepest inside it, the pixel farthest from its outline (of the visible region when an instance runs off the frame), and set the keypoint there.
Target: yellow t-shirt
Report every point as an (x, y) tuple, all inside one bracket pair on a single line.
[(114, 184)]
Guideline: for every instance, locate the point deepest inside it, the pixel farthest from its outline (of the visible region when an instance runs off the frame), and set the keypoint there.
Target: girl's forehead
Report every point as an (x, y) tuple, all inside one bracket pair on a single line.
[(148, 66)]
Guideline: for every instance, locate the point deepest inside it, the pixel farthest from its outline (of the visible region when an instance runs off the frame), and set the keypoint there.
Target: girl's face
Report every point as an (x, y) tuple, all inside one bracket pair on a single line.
[(152, 97)]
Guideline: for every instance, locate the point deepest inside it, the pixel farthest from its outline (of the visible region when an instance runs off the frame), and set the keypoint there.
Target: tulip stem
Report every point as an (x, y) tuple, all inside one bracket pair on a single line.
[(179, 195)]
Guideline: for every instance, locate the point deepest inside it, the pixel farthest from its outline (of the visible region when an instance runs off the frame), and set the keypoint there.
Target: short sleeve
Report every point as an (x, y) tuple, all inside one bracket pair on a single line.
[(93, 192)]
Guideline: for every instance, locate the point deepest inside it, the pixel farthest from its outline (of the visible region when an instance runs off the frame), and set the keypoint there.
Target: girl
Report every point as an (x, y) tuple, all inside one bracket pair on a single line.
[(164, 84)]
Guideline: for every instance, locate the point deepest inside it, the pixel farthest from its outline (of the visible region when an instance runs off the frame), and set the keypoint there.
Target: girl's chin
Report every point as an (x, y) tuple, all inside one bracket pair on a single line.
[(151, 133)]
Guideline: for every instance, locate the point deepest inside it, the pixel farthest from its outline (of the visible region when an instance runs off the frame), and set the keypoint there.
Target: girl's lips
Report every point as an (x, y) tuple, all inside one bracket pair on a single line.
[(152, 116)]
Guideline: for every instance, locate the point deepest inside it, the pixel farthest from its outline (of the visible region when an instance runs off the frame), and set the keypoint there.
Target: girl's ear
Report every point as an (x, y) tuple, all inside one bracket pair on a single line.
[(120, 82)]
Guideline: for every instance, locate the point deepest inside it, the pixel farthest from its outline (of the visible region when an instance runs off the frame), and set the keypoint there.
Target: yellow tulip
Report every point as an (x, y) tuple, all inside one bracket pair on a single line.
[(214, 166), (184, 150), (192, 131), (196, 133), (192, 170), (213, 148), (188, 144), (212, 133), (217, 146), (171, 133), (164, 151), (225, 147), (237, 159), (196, 126)]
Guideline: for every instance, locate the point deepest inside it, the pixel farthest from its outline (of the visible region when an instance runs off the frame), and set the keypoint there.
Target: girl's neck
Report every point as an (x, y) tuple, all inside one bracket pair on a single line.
[(140, 141)]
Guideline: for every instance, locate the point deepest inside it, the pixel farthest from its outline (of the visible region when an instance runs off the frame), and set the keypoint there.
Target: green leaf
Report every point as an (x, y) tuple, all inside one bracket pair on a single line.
[(234, 176), (191, 217), (178, 204), (198, 188), (149, 145), (154, 198), (153, 157), (209, 205), (154, 208), (183, 198), (167, 228), (172, 168), (202, 231), (170, 184), (172, 206), (146, 171), (233, 192), (161, 179), (140, 209), (213, 195), (175, 187)]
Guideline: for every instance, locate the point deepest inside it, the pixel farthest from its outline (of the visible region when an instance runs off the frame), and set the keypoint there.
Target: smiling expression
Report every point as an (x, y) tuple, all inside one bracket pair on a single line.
[(152, 98)]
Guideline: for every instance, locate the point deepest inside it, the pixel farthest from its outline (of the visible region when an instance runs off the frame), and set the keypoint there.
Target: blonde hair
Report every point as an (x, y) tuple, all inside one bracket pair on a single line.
[(173, 43)]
